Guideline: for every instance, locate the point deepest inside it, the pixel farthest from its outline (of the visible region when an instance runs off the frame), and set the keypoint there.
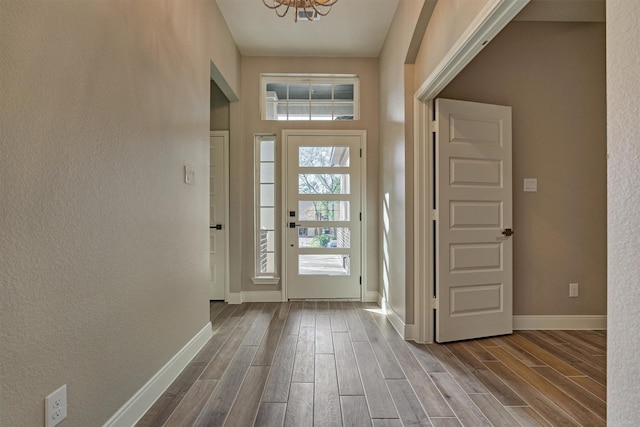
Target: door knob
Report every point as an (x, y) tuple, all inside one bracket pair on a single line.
[(507, 232)]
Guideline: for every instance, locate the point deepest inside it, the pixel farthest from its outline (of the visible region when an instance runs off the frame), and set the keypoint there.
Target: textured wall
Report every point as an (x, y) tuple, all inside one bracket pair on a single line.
[(553, 75), (252, 67), (623, 145), (103, 266)]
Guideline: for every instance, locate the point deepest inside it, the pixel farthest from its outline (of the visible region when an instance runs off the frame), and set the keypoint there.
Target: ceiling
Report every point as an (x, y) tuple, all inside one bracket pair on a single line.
[(356, 28)]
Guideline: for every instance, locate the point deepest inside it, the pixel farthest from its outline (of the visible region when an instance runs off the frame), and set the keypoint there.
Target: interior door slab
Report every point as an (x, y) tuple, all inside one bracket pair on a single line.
[(474, 283)]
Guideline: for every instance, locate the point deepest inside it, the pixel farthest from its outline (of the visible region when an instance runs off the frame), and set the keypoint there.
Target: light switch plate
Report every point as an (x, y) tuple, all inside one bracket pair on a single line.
[(531, 184), (189, 175)]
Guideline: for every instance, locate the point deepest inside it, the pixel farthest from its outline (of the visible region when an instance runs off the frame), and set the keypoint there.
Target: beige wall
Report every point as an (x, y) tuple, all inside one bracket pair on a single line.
[(103, 266), (220, 114), (398, 84), (448, 23), (249, 106), (553, 75), (395, 137), (623, 106)]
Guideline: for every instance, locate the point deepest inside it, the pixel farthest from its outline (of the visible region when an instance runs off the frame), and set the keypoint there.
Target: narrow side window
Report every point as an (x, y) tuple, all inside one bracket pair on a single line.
[(266, 253)]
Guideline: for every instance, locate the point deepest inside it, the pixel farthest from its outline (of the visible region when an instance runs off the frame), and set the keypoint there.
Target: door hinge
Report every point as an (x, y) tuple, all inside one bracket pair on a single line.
[(434, 215), (360, 280), (433, 126), (435, 304), (361, 152), (360, 216)]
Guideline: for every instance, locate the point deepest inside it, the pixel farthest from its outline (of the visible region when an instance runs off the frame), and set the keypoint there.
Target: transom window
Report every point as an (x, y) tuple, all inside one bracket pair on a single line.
[(310, 97)]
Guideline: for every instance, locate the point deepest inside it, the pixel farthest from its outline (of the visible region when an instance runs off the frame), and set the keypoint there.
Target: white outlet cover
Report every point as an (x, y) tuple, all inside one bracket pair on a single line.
[(531, 185), (55, 407), (574, 290)]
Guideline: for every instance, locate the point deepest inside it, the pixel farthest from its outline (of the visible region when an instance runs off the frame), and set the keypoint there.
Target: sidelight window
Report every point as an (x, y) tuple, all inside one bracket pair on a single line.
[(265, 210)]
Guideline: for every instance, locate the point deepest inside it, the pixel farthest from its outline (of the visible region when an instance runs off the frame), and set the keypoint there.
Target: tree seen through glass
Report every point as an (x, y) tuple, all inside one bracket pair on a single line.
[(322, 183)]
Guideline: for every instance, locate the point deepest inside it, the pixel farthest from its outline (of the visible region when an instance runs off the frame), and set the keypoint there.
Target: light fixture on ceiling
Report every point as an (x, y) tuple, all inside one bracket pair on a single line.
[(310, 9)]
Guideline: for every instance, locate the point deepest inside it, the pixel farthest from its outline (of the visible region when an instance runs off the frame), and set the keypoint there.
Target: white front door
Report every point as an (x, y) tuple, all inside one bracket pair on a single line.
[(218, 202), (322, 211), (474, 283)]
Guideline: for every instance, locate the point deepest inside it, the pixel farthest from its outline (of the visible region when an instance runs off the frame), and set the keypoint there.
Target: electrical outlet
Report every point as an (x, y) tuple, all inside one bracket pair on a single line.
[(56, 407), (574, 290)]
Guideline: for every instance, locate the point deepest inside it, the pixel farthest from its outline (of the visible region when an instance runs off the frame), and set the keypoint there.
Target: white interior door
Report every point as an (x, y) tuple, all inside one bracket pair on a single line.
[(474, 283), (218, 204), (322, 211)]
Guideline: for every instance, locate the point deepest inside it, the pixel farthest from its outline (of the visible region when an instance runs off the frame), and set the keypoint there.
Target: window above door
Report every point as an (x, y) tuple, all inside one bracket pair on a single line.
[(310, 97)]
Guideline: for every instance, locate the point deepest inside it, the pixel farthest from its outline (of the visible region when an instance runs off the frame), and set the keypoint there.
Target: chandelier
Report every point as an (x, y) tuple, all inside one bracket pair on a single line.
[(309, 9)]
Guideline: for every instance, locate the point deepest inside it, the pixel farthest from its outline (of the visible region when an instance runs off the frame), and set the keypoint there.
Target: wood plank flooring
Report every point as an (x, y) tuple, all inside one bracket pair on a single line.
[(342, 364)]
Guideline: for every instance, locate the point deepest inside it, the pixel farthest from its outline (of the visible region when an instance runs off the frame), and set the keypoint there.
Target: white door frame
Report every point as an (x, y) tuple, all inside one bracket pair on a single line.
[(489, 22), (225, 136), (363, 201)]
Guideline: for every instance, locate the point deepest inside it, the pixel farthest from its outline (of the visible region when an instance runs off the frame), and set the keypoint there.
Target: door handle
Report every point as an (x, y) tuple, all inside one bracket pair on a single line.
[(507, 232), (293, 225), (216, 227)]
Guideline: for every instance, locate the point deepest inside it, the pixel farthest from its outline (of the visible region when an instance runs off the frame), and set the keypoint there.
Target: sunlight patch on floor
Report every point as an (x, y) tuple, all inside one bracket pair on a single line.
[(376, 310)]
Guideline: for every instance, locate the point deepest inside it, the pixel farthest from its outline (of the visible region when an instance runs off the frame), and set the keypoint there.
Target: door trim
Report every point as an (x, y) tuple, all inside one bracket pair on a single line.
[(363, 201), (225, 137), (423, 249), (489, 22)]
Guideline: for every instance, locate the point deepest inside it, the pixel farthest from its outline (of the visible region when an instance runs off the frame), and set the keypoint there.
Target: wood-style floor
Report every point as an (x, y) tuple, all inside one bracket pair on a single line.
[(342, 363)]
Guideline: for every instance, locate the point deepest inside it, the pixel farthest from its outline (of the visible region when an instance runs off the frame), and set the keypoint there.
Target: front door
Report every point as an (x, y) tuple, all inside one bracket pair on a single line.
[(474, 204), (218, 232), (322, 211)]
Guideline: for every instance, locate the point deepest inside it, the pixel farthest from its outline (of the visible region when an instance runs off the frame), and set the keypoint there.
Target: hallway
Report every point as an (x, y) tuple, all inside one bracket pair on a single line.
[(342, 363)]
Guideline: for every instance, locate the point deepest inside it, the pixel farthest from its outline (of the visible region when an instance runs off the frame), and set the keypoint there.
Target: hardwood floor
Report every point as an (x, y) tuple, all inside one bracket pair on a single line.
[(342, 363)]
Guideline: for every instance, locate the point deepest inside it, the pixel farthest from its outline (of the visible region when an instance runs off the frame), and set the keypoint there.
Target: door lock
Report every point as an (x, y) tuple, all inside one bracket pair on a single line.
[(507, 232)]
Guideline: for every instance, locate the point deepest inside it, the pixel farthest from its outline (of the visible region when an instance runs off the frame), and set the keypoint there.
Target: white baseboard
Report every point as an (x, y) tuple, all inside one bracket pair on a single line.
[(372, 296), (254, 296), (144, 398), (559, 322), (262, 296), (410, 333), (405, 331), (276, 296), (234, 298)]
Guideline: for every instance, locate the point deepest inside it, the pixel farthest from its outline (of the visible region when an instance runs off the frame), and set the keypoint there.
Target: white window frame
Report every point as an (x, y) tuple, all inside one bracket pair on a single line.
[(310, 78), (259, 277)]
